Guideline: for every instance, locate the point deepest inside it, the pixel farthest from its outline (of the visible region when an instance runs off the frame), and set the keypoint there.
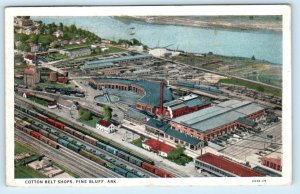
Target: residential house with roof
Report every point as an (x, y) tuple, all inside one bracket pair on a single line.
[(158, 147), (105, 126)]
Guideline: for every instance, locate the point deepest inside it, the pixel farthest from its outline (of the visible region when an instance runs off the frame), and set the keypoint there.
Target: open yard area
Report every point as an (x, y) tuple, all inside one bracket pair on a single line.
[(92, 122)]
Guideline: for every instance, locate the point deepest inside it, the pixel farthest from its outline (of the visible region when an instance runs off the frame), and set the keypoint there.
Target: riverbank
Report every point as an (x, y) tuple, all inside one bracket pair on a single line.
[(243, 23)]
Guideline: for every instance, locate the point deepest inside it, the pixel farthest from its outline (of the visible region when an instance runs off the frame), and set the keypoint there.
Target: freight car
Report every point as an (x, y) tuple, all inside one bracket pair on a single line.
[(92, 157)]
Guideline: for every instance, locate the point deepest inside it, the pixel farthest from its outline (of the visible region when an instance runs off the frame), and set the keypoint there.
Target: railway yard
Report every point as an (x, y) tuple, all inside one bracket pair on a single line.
[(127, 114)]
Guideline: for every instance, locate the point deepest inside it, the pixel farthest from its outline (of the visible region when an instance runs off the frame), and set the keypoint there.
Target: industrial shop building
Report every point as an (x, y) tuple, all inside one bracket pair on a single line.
[(222, 118), (154, 94), (111, 62), (164, 130), (222, 167), (184, 105)]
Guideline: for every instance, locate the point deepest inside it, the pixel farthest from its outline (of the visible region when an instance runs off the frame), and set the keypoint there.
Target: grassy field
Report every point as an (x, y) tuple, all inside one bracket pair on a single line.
[(137, 142), (20, 148), (26, 172), (254, 86), (91, 122), (38, 100)]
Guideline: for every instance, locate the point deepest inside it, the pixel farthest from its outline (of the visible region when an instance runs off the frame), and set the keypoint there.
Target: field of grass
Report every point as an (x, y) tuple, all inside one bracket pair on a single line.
[(26, 172), (254, 86), (38, 100), (137, 142), (91, 122), (20, 148)]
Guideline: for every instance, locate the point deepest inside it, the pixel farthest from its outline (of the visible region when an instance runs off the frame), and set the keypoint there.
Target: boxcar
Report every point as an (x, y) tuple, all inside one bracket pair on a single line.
[(26, 130), (135, 161), (59, 125), (90, 139), (44, 139), (35, 135), (101, 145), (63, 142), (53, 137), (69, 130), (50, 121), (148, 167), (79, 134), (120, 171), (34, 128), (131, 175), (42, 117), (73, 147), (123, 155), (53, 144), (44, 133), (111, 150)]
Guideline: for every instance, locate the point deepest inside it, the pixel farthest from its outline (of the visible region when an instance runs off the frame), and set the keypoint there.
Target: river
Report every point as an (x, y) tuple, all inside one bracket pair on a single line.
[(263, 45)]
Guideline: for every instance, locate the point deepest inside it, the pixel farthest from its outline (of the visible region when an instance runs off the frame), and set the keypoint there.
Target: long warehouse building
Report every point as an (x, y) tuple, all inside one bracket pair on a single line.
[(225, 117)]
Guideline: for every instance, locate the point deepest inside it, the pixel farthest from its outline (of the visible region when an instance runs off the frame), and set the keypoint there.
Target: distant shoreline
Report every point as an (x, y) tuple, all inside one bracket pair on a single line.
[(210, 23)]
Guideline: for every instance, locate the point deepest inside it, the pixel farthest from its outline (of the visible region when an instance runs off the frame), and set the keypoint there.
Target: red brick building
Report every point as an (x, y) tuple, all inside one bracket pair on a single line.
[(222, 167), (223, 118), (184, 105), (274, 163)]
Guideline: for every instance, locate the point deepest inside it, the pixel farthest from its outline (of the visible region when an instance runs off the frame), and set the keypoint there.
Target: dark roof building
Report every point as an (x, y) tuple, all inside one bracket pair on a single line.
[(164, 130), (223, 167), (149, 90)]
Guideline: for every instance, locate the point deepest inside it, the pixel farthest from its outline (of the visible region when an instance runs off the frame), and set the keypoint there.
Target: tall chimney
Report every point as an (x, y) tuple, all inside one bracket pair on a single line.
[(161, 97)]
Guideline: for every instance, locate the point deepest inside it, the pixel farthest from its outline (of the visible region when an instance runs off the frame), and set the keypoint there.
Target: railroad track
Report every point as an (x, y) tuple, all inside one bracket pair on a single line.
[(87, 144), (76, 163)]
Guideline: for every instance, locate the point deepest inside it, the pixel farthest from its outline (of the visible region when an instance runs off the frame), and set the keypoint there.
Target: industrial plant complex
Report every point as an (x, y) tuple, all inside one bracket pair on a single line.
[(137, 112)]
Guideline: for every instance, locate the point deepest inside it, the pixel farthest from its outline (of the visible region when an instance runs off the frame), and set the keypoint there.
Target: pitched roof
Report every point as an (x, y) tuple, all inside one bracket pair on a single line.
[(158, 146), (104, 123), (229, 166)]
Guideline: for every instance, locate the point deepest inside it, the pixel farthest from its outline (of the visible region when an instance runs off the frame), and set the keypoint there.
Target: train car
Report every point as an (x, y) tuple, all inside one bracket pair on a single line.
[(110, 166), (35, 135), (101, 145), (32, 113), (73, 147), (123, 155), (69, 130), (135, 161), (34, 128), (44, 132), (18, 126), (53, 144), (111, 150), (63, 142), (78, 134), (50, 121), (44, 139), (53, 137), (131, 175), (148, 167), (59, 125), (120, 171), (92, 157), (42, 117), (26, 130), (90, 139)]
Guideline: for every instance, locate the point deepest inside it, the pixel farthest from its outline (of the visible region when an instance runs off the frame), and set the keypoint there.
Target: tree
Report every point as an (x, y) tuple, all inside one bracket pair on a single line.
[(61, 26), (107, 113), (176, 153), (73, 28), (85, 114), (24, 47), (34, 39), (253, 57)]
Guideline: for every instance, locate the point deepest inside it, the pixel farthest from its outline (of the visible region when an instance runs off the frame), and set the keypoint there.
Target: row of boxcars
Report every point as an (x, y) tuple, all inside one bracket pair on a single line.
[(199, 87), (37, 135), (63, 141)]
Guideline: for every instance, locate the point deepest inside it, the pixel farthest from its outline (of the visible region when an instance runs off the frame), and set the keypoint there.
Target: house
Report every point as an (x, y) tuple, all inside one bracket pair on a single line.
[(105, 126), (156, 146), (68, 104), (58, 33), (26, 94)]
